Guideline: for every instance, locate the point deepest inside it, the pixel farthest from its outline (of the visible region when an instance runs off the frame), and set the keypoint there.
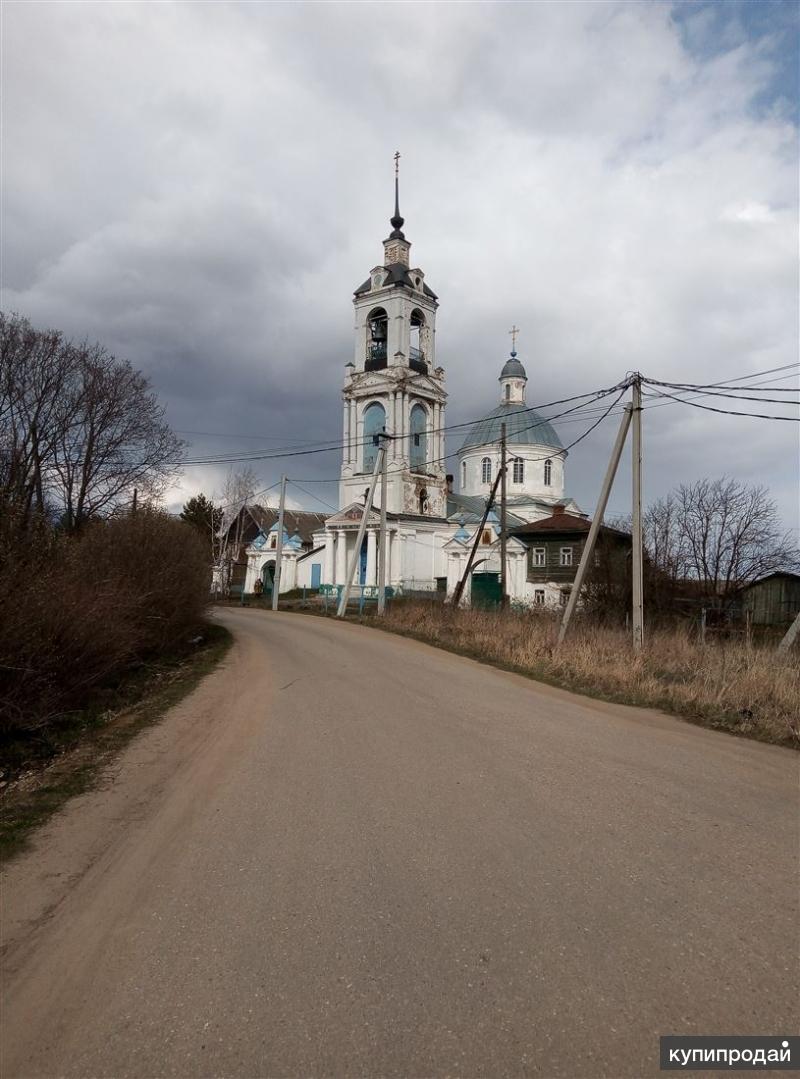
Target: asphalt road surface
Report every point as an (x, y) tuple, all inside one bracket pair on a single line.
[(348, 854)]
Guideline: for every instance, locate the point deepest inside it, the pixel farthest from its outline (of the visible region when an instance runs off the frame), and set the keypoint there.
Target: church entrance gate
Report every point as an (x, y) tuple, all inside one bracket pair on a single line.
[(486, 590)]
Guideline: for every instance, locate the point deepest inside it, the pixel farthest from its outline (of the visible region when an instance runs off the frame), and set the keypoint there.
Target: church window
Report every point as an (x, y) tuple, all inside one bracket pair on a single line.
[(508, 391), (519, 470), (487, 536), (565, 556), (374, 424), (416, 357), (538, 556), (548, 472), (486, 470), (419, 439), (463, 475), (377, 335)]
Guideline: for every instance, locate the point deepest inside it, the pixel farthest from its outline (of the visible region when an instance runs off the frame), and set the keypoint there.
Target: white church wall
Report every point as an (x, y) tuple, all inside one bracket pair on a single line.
[(471, 478)]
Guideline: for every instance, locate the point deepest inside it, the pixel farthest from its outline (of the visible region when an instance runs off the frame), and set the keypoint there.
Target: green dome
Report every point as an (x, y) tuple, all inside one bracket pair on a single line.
[(524, 427)]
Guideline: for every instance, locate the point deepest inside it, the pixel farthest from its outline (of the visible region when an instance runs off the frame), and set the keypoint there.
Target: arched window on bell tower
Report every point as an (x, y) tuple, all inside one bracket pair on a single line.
[(377, 334), (419, 439), (374, 424), (417, 359)]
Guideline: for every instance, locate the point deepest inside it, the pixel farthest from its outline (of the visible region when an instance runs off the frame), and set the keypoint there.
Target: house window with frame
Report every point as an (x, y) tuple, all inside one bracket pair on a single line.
[(548, 472), (563, 598), (539, 556), (486, 470), (518, 474), (538, 597), (565, 556)]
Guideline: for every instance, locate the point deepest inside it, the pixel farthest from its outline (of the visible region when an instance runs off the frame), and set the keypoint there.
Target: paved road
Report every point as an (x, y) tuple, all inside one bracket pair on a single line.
[(348, 854)]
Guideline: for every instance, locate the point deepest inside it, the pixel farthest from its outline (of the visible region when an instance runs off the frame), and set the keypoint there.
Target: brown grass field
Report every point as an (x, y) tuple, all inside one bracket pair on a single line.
[(748, 689)]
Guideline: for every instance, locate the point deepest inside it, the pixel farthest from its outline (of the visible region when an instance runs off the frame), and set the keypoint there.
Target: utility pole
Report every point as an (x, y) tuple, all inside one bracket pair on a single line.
[(637, 561), (791, 635), (503, 540), (597, 521), (276, 584), (459, 589), (362, 528), (382, 535)]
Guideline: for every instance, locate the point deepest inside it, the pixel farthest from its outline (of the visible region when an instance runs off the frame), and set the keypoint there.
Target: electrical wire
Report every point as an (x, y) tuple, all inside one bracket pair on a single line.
[(722, 411)]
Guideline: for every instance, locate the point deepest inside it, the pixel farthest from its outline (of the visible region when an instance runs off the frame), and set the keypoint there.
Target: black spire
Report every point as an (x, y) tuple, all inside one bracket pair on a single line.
[(397, 221)]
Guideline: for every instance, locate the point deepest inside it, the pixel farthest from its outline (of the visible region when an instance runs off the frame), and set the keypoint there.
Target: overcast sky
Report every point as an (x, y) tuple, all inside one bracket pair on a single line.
[(201, 187)]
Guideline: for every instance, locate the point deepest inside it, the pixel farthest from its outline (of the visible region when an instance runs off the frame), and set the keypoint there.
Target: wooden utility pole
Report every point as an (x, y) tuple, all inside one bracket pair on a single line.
[(276, 583), (791, 635), (459, 589), (503, 540), (638, 546), (597, 521), (382, 535), (362, 528)]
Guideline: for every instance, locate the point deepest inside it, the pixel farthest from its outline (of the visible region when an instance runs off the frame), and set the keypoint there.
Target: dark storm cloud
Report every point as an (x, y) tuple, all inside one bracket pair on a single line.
[(201, 187)]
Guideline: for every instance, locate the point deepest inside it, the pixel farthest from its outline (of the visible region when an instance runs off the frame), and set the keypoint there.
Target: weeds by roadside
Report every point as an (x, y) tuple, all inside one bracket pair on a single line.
[(42, 770), (748, 690)]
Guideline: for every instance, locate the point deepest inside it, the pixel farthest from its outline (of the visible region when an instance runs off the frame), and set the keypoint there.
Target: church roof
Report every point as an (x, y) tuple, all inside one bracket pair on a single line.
[(397, 274), (513, 368), (524, 426), (302, 523), (471, 507)]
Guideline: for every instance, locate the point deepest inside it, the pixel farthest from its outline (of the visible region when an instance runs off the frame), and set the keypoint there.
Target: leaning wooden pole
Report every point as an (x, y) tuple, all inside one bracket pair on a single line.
[(362, 528), (791, 635), (596, 524), (459, 589)]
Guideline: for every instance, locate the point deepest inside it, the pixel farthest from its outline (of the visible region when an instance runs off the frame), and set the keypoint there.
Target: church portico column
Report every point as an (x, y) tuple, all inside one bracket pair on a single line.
[(341, 556), (372, 564), (330, 539)]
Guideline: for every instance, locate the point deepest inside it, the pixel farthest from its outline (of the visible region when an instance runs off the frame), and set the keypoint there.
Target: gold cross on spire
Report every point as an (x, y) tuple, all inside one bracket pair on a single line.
[(397, 163), (514, 331)]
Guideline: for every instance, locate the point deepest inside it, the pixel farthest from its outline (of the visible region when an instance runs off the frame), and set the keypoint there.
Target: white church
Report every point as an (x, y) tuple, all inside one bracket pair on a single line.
[(394, 385)]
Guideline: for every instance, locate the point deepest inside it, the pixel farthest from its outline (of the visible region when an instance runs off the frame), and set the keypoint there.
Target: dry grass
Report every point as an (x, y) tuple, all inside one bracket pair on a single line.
[(750, 690)]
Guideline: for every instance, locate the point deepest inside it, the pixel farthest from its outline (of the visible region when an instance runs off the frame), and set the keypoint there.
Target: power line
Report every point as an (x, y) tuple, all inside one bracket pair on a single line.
[(723, 411)]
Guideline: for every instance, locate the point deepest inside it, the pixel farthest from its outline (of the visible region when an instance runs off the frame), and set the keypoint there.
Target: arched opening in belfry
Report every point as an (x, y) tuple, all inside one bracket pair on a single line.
[(374, 425), (377, 336), (417, 358), (419, 439)]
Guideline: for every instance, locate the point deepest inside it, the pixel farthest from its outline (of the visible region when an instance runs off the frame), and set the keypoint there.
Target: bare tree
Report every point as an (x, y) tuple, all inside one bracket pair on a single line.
[(239, 490), (80, 428), (34, 374), (720, 534)]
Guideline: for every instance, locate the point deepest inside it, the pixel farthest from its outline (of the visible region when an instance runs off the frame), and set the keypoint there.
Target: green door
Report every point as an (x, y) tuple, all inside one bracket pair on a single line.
[(485, 590)]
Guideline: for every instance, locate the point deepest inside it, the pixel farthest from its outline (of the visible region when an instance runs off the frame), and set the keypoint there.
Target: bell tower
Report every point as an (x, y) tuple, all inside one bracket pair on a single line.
[(394, 385)]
